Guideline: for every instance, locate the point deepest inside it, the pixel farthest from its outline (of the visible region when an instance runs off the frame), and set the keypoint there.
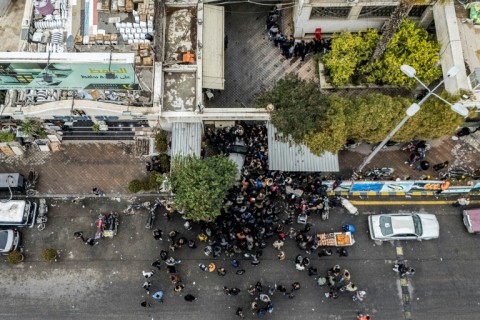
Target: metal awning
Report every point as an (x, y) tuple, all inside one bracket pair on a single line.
[(186, 138), (284, 155), (213, 47)]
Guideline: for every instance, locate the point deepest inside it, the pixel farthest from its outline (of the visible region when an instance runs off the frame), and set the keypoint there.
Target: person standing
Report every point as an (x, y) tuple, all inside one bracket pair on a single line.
[(147, 285), (190, 298), (239, 313), (158, 296), (157, 234), (79, 235), (359, 296)]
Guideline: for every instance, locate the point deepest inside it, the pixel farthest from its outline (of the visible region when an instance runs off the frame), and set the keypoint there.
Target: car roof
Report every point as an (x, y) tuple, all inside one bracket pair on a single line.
[(402, 224)]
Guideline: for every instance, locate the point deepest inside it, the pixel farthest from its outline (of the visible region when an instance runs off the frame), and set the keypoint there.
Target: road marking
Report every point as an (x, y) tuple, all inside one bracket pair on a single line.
[(401, 202), (407, 313)]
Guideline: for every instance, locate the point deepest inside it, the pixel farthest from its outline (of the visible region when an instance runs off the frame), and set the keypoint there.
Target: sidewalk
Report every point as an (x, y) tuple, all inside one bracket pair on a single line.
[(79, 167), (464, 152)]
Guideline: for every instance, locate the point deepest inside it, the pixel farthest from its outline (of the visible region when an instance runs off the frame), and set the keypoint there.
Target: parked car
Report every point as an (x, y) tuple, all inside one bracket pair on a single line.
[(9, 240), (471, 220), (403, 226)]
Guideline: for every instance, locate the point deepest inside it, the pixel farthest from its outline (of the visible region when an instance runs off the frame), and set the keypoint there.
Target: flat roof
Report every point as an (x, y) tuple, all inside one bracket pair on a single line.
[(11, 26)]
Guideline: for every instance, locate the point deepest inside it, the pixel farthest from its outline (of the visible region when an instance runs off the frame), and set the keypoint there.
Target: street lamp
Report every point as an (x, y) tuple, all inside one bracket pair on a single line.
[(413, 109)]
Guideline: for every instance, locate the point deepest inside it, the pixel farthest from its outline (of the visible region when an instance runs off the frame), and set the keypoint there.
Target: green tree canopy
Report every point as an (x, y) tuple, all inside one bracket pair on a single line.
[(201, 185), (299, 106), (370, 118), (434, 120), (410, 45), (348, 59), (324, 123), (349, 51)]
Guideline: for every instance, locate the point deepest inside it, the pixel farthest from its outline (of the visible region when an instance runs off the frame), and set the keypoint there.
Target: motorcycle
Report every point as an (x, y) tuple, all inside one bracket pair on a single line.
[(416, 146), (389, 143), (151, 215), (378, 173), (42, 214)]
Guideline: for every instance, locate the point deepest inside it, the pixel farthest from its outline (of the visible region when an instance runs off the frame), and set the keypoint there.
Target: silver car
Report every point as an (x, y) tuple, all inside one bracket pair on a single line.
[(9, 240), (403, 226)]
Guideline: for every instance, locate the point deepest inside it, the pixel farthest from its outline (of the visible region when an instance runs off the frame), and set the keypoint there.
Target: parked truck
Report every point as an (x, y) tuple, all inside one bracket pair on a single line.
[(17, 213)]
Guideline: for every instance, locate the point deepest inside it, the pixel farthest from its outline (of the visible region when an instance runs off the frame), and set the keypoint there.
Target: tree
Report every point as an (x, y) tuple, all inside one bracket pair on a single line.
[(201, 185), (332, 133), (434, 120), (299, 106), (410, 45), (348, 52), (370, 118), (396, 19)]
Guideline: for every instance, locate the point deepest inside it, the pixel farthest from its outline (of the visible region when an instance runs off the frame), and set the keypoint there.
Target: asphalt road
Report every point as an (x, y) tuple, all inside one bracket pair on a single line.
[(105, 281)]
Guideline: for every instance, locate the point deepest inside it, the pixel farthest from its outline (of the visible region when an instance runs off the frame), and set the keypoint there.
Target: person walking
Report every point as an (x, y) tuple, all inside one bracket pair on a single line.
[(79, 235), (158, 296), (157, 264), (359, 296), (147, 274), (147, 285), (145, 304)]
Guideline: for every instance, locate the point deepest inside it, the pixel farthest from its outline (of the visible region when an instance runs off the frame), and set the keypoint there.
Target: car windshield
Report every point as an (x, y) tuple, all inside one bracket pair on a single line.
[(386, 225), (3, 239), (418, 225)]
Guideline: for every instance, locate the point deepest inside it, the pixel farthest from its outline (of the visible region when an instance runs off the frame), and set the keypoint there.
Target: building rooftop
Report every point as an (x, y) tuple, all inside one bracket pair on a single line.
[(10, 28)]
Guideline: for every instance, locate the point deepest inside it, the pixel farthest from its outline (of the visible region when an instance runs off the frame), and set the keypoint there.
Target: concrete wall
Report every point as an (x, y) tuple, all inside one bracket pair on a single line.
[(451, 51), (304, 25)]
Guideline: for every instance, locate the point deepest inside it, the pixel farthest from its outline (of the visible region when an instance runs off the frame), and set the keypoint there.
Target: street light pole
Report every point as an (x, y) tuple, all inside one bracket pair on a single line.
[(413, 109)]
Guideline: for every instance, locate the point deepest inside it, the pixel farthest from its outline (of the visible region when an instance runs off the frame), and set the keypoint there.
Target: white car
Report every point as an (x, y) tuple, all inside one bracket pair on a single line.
[(9, 240), (403, 226)]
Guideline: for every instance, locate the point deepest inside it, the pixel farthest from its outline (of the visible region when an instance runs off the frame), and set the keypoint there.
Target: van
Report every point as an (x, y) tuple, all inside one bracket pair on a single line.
[(471, 220), (18, 213), (12, 181)]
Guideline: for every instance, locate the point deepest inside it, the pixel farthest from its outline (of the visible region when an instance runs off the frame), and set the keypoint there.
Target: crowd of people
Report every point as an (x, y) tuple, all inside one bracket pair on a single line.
[(288, 45), (260, 211)]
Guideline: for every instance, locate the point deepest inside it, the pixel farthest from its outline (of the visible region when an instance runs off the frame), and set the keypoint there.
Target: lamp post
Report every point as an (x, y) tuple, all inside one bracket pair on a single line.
[(413, 109)]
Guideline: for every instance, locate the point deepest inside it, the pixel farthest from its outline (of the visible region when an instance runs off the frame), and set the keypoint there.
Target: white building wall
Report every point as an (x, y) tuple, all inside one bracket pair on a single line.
[(451, 52)]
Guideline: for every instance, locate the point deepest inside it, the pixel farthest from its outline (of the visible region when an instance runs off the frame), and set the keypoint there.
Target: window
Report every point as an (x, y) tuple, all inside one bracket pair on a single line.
[(386, 225), (417, 11), (418, 225), (376, 11), (330, 12)]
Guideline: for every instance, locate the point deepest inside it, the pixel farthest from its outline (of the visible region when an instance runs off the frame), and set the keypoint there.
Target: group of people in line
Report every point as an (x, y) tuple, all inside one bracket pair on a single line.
[(288, 45)]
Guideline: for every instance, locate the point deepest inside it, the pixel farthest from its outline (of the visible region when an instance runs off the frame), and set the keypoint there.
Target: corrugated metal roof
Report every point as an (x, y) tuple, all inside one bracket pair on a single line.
[(284, 155), (186, 138)]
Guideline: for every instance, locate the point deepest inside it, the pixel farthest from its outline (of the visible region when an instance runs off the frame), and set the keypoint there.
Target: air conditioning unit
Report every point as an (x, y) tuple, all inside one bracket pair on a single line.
[(352, 1)]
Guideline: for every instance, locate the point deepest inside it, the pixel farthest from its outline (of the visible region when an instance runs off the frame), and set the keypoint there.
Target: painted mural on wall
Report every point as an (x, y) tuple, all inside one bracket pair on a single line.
[(75, 76)]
